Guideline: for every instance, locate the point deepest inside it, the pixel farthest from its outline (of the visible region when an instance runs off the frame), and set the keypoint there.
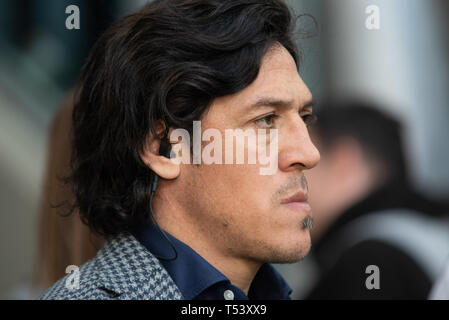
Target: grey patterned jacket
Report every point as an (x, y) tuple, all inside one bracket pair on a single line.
[(123, 269)]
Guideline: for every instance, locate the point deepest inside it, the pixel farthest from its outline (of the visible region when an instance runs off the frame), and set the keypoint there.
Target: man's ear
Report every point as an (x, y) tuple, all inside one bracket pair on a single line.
[(164, 167)]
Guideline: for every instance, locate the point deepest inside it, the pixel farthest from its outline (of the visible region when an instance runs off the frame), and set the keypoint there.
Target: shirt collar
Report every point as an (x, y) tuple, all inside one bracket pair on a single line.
[(193, 274), (268, 284)]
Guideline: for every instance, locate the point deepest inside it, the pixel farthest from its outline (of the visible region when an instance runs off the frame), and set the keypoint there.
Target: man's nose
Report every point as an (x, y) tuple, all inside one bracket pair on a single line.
[(297, 149)]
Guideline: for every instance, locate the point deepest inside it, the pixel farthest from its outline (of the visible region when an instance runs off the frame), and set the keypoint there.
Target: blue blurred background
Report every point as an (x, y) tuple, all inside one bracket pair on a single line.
[(403, 66)]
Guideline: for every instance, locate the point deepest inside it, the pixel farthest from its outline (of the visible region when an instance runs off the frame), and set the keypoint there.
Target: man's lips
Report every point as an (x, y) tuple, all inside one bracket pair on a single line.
[(297, 202), (297, 197)]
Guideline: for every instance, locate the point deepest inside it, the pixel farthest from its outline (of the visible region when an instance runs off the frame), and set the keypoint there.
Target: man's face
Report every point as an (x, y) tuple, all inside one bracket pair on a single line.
[(236, 210)]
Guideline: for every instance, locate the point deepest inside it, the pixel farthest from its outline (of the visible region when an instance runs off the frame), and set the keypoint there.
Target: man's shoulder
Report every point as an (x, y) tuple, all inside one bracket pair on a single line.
[(122, 269), (80, 284)]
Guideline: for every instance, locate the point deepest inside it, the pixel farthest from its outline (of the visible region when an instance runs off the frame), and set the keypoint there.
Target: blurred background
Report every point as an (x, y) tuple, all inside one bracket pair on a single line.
[(399, 61)]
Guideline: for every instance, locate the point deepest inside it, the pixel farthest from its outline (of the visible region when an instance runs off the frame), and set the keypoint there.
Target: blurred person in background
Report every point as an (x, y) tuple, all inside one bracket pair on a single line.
[(40, 60), (63, 239), (366, 212)]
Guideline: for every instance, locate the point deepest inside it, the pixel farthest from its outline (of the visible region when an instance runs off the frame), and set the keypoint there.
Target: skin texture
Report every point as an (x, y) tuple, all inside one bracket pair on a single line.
[(231, 214)]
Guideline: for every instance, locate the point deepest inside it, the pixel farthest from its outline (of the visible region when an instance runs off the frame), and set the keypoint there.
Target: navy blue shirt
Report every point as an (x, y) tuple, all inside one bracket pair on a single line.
[(199, 280)]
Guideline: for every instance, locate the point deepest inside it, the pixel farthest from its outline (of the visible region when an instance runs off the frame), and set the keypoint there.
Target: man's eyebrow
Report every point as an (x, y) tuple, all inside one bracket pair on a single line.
[(276, 102)]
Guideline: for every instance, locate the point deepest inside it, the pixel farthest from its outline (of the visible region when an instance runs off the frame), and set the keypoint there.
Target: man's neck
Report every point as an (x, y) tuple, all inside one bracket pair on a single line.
[(240, 272)]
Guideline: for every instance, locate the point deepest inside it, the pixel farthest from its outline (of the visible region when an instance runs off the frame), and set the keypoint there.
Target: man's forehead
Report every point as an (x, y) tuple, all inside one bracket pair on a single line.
[(278, 80), (277, 58)]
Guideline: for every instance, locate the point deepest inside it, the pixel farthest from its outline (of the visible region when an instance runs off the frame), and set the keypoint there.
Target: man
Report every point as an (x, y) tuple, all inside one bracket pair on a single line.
[(375, 236), (178, 230)]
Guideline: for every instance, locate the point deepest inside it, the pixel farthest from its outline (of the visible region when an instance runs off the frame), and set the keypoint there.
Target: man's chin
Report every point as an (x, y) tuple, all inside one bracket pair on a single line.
[(292, 255)]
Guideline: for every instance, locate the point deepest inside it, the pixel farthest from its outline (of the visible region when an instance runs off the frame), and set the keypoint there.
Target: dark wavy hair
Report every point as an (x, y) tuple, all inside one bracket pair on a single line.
[(166, 62)]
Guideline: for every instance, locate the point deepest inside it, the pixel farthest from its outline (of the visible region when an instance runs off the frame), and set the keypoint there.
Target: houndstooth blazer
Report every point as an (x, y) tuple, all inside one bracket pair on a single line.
[(123, 269)]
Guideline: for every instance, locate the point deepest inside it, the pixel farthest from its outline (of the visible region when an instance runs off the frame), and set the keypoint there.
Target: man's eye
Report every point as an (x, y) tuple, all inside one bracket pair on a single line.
[(267, 121), (309, 119)]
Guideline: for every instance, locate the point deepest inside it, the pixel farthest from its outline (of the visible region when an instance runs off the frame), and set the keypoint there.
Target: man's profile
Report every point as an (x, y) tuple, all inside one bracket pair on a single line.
[(200, 231)]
